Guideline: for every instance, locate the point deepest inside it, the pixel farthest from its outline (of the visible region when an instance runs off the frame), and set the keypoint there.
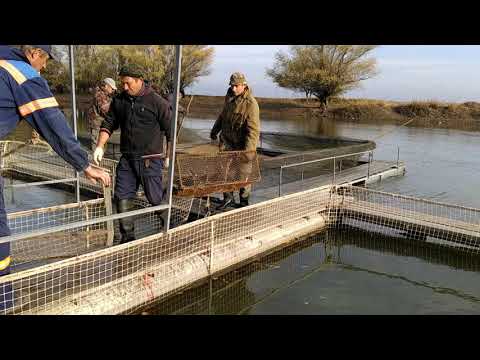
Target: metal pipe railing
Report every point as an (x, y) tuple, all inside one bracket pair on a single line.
[(83, 223), (74, 112), (334, 158), (178, 58), (40, 183)]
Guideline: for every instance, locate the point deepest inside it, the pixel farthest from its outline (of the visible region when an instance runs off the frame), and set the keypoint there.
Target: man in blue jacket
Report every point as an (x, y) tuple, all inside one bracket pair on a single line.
[(24, 94)]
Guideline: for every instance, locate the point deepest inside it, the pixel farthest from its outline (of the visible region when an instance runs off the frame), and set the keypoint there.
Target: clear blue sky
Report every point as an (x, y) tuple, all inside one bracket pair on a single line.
[(420, 72)]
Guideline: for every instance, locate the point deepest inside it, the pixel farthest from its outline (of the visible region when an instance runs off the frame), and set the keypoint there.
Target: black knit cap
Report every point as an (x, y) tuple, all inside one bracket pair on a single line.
[(131, 70)]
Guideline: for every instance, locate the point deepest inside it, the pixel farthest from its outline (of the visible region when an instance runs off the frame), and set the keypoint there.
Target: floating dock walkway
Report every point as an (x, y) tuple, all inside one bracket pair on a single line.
[(89, 276)]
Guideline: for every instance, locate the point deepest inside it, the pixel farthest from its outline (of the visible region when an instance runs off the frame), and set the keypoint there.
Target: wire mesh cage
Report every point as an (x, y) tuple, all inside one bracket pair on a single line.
[(199, 175)]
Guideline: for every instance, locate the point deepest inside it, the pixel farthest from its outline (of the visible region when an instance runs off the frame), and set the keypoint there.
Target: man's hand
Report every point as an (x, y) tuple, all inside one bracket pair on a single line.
[(166, 163), (98, 155), (94, 174)]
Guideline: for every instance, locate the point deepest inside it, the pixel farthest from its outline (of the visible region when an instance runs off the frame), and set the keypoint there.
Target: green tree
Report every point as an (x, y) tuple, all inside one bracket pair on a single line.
[(196, 61), (95, 62), (323, 70)]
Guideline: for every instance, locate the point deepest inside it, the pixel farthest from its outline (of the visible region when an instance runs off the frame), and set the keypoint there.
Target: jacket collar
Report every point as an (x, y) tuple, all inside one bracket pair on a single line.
[(11, 53)]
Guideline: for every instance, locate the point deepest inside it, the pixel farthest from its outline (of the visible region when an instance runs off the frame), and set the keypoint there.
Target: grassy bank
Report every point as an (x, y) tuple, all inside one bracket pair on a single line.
[(465, 116)]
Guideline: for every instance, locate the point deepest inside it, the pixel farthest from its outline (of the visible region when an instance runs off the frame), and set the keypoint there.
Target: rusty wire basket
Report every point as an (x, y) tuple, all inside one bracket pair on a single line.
[(199, 175)]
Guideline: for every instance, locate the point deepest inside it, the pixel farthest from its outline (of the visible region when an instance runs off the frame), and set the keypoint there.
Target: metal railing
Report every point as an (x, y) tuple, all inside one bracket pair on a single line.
[(40, 183), (334, 158), (83, 223)]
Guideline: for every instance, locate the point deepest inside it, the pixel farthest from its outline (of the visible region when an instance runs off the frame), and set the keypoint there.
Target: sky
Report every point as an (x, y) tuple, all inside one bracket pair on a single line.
[(448, 73)]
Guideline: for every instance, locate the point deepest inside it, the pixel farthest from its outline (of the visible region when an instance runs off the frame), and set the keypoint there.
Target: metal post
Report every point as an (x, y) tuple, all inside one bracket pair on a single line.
[(398, 156), (212, 240), (74, 112), (368, 167), (178, 58), (303, 167), (107, 198), (334, 171), (280, 182)]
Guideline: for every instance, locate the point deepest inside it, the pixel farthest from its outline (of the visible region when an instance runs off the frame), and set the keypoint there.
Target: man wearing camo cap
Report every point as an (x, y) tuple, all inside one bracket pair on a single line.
[(239, 128), (99, 107)]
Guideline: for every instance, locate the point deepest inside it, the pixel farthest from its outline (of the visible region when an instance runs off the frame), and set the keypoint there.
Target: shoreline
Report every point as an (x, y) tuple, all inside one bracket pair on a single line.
[(427, 114)]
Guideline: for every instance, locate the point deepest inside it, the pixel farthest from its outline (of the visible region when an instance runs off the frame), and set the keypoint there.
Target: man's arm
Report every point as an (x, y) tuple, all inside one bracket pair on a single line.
[(102, 102), (103, 137), (40, 109), (165, 118), (109, 124), (216, 127), (253, 127)]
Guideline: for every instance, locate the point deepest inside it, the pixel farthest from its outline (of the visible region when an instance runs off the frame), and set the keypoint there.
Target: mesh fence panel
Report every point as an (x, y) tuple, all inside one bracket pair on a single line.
[(203, 174), (419, 219), (125, 277), (39, 161), (61, 244)]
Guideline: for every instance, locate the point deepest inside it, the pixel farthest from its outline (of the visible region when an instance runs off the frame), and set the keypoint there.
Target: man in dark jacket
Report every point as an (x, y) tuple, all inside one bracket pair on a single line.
[(144, 118), (25, 94)]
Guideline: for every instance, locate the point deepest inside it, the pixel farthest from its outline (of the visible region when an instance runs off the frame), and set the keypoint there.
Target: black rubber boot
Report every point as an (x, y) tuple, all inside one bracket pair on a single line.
[(243, 201), (127, 225), (228, 200), (161, 221)]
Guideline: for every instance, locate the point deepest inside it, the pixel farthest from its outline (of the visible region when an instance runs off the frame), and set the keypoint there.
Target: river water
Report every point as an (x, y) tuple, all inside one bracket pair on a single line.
[(349, 272), (353, 272)]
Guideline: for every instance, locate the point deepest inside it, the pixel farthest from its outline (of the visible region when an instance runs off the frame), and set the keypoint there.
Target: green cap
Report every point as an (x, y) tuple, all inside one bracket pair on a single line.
[(238, 79), (131, 70)]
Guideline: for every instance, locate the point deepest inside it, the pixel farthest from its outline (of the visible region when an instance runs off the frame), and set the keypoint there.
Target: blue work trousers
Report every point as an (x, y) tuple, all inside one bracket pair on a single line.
[(133, 172)]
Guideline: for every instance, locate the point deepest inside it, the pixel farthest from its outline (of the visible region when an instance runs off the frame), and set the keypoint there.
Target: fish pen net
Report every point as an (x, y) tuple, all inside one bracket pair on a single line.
[(127, 277), (305, 149), (41, 249), (417, 219), (30, 251), (40, 162), (200, 175), (122, 278)]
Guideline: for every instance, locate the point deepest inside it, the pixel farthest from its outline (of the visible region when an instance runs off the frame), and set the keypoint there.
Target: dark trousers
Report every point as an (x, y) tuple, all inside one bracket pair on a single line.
[(133, 172), (130, 174), (6, 294)]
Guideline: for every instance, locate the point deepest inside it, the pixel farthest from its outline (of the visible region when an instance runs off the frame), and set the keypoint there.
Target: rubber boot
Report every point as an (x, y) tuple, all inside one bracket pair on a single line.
[(228, 200), (244, 201), (244, 194), (127, 224), (159, 214)]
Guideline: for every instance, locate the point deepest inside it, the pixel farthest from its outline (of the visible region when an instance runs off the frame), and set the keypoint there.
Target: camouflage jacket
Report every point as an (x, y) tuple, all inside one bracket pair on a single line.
[(98, 108), (239, 122)]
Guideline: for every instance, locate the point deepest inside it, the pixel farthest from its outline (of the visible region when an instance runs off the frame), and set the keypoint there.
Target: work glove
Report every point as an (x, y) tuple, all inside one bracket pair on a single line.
[(166, 163), (98, 155)]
